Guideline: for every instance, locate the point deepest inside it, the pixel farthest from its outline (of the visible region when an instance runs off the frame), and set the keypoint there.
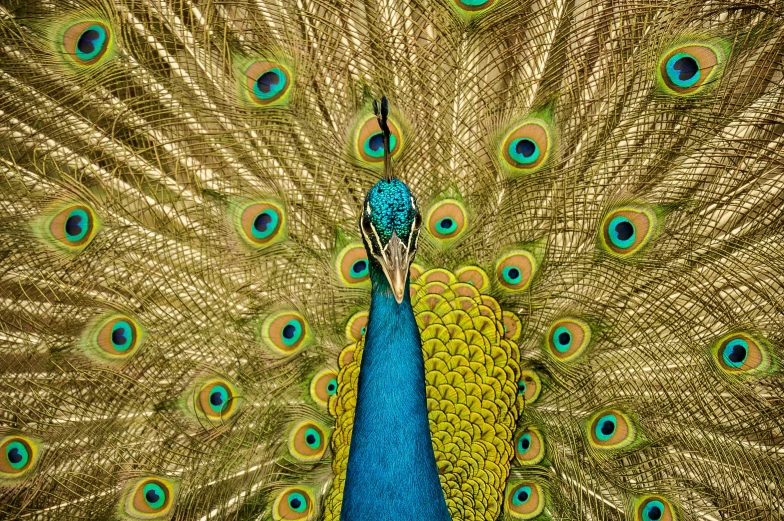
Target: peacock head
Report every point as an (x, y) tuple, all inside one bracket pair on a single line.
[(390, 224)]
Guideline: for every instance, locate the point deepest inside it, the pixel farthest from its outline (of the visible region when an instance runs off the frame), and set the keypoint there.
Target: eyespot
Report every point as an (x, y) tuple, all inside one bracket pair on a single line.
[(529, 386), (356, 326), (286, 333), (353, 265), (475, 276), (113, 338), (150, 498), (87, 42), (307, 442), (267, 83), (654, 508), (18, 454), (567, 338), (217, 399), (71, 228), (512, 326), (626, 230), (446, 220), (526, 148), (515, 270), (525, 500), (323, 386), (529, 447), (473, 6), (741, 354), (685, 69), (261, 223), (293, 504), (370, 140), (611, 429)]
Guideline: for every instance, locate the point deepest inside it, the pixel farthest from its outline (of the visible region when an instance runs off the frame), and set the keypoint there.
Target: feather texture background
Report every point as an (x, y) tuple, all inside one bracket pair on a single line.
[(155, 131)]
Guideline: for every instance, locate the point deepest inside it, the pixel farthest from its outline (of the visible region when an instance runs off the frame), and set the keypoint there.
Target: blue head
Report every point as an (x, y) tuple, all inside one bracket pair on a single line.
[(390, 228)]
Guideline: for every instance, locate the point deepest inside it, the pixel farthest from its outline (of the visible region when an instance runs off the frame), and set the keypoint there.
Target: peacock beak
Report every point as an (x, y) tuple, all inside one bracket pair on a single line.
[(395, 261)]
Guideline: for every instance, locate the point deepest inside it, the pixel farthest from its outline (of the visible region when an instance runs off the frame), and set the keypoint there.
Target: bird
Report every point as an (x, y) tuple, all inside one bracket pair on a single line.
[(390, 260)]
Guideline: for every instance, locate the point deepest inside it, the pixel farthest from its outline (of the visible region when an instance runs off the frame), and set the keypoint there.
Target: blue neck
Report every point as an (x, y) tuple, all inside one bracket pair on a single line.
[(392, 473)]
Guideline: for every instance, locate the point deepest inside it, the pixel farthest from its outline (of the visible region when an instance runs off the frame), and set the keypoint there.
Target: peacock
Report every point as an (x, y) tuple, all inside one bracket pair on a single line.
[(391, 260)]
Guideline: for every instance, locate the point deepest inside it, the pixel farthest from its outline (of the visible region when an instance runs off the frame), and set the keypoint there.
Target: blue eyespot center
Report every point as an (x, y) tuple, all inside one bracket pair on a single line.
[(76, 225), (521, 496), (17, 455), (297, 502), (154, 495), (122, 335), (446, 225), (312, 438), (374, 145), (219, 398), (683, 70), (267, 81), (512, 275), (362, 331), (265, 223), (524, 443), (90, 42), (605, 427), (291, 332), (735, 352), (14, 456), (562, 339), (359, 269), (269, 84), (332, 387), (654, 511), (521, 387), (622, 232), (525, 151)]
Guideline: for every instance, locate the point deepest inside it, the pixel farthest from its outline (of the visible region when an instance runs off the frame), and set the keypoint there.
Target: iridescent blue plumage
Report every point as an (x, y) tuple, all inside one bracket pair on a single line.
[(392, 208), (392, 473)]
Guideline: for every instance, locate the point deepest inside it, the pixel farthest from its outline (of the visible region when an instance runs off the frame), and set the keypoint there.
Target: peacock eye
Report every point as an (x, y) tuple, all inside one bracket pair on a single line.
[(150, 498), (568, 338), (352, 265), (626, 230), (260, 224), (529, 386), (307, 442), (217, 399), (653, 508), (611, 430), (685, 69), (86, 42), (285, 333), (356, 326), (741, 354), (446, 220), (529, 448), (324, 385), (292, 504), (515, 270), (267, 82), (72, 227), (370, 140), (526, 147), (119, 337), (18, 454), (525, 500)]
